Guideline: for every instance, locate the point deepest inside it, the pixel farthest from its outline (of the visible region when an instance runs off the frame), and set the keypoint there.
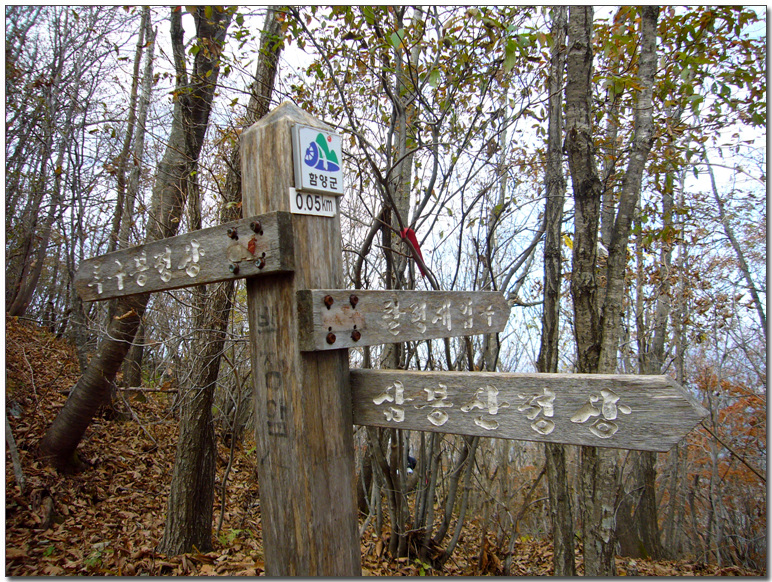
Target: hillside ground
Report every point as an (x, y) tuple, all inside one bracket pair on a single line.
[(108, 519)]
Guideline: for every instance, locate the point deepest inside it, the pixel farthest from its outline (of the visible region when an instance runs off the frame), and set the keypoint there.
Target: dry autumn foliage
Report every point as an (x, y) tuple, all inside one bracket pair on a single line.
[(108, 519)]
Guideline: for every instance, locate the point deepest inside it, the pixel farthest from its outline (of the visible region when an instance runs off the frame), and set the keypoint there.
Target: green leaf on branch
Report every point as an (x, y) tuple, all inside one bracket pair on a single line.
[(510, 55), (397, 38)]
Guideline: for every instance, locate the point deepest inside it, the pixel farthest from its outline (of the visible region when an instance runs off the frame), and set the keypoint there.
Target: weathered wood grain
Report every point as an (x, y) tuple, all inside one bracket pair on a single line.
[(333, 319), (648, 413), (203, 256), (304, 428)]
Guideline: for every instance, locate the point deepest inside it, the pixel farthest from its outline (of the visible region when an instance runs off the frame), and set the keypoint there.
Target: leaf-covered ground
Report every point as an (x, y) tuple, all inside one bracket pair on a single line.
[(109, 519)]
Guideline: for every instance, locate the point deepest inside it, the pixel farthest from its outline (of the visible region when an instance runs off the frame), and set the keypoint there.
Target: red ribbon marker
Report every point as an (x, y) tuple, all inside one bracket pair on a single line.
[(409, 234)]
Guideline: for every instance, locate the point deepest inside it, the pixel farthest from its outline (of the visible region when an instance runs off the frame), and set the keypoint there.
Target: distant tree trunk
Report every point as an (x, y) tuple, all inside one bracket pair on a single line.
[(39, 236), (364, 483), (652, 361), (471, 447), (742, 263), (465, 458), (191, 115), (676, 510), (128, 173), (596, 327), (557, 474), (640, 510), (132, 365), (122, 160), (191, 498), (396, 197)]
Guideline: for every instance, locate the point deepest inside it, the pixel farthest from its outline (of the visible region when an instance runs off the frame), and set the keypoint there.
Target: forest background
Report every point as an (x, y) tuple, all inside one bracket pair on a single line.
[(459, 124)]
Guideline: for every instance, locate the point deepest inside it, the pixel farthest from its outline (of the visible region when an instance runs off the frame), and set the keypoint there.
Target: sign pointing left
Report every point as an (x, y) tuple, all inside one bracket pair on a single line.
[(242, 248)]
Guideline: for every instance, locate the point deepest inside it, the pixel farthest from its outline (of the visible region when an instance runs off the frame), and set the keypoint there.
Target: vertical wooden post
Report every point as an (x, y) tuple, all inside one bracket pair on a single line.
[(304, 427)]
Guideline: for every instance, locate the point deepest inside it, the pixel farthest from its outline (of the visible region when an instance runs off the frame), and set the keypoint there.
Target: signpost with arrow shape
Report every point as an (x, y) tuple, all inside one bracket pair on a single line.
[(302, 324)]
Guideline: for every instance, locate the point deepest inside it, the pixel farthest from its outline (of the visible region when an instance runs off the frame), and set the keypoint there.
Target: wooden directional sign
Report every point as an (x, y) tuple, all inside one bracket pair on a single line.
[(298, 336), (650, 413), (332, 319), (242, 248)]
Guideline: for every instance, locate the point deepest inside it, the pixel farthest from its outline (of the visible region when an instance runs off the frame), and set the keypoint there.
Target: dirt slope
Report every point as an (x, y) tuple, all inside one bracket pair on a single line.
[(109, 519)]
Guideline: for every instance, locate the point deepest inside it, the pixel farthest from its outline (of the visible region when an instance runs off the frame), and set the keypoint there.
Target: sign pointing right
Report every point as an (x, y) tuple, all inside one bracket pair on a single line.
[(650, 413)]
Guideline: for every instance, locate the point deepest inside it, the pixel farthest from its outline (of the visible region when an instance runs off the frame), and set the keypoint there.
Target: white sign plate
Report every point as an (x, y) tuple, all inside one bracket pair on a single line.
[(318, 158), (313, 204)]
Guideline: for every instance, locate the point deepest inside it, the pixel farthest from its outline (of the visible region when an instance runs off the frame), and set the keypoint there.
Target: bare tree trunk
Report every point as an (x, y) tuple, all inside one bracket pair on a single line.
[(557, 474), (587, 188), (597, 328), (644, 518), (138, 147), (133, 159), (191, 498), (674, 541), (472, 447), (122, 160), (450, 501), (191, 114), (132, 365), (643, 521), (365, 482), (396, 190), (597, 499), (33, 262), (611, 316), (741, 262)]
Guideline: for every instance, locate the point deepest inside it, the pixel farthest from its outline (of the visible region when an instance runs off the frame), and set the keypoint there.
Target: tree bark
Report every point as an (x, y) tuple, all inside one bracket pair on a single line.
[(122, 160), (586, 188), (132, 366), (191, 498), (559, 487), (191, 113), (611, 317), (597, 329), (597, 499)]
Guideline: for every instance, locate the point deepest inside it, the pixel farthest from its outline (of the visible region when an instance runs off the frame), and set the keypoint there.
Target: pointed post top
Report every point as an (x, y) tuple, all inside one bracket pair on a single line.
[(288, 111)]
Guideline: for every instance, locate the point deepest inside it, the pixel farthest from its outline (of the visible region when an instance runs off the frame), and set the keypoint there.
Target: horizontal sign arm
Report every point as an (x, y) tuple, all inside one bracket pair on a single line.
[(242, 248), (331, 319), (648, 413)]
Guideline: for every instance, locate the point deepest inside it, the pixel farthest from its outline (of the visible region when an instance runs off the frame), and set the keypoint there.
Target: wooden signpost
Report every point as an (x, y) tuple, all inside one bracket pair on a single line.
[(301, 324), (243, 248), (331, 319), (650, 413)]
